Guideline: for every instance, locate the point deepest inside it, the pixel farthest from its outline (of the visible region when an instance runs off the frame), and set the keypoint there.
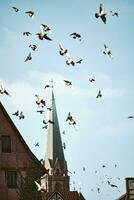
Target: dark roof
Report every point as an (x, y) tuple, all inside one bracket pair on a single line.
[(31, 155), (123, 197), (68, 195)]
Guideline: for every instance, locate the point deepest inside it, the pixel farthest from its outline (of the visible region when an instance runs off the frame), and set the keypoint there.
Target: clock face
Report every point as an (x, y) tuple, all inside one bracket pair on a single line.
[(131, 184)]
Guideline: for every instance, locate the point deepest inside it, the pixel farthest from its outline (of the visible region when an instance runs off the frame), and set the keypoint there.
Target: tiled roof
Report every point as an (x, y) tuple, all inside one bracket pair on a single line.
[(68, 195), (123, 197)]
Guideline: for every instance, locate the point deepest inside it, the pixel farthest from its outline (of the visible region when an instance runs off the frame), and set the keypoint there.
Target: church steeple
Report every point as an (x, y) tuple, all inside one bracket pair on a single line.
[(54, 158)]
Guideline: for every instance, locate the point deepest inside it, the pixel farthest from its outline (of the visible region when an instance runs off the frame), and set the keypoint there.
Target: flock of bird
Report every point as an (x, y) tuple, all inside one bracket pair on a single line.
[(63, 51)]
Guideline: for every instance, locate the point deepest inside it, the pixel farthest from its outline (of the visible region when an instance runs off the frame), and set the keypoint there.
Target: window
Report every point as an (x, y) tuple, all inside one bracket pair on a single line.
[(11, 179), (56, 196), (6, 144)]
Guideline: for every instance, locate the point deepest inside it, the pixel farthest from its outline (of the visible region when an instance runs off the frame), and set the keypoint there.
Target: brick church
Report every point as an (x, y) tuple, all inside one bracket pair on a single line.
[(16, 157)]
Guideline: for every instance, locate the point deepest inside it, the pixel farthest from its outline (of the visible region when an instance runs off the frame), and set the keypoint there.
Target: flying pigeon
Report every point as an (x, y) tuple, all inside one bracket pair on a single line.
[(69, 117), (21, 116), (103, 166), (42, 35), (79, 61), (107, 51), (49, 108), (98, 190), (64, 145), (39, 188), (68, 83), (99, 94), (37, 144), (27, 33), (130, 117), (76, 35), (3, 90), (16, 113), (16, 9), (50, 121), (40, 111), (47, 86), (112, 185), (69, 60), (63, 50), (114, 13), (91, 79), (101, 14), (46, 28), (30, 14), (29, 57), (40, 101), (33, 47)]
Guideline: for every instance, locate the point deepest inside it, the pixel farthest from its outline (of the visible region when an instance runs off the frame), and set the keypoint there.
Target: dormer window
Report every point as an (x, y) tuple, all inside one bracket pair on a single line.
[(6, 144)]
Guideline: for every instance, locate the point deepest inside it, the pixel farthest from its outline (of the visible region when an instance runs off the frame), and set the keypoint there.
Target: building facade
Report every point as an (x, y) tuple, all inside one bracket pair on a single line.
[(15, 158)]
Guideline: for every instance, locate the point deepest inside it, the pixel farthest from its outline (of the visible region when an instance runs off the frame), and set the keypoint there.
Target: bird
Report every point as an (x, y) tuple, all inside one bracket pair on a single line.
[(30, 14), (107, 51), (40, 111), (47, 86), (29, 57), (3, 90), (49, 108), (83, 168), (27, 33), (114, 13), (16, 9), (63, 132), (44, 122), (63, 50), (46, 28), (42, 35), (112, 185), (68, 83), (39, 188), (45, 127), (115, 165), (101, 14), (75, 35), (40, 101), (99, 94), (37, 144), (33, 47), (103, 166), (21, 116), (79, 61), (50, 121), (98, 190), (64, 145), (130, 117), (16, 113), (91, 79), (69, 60), (69, 117)]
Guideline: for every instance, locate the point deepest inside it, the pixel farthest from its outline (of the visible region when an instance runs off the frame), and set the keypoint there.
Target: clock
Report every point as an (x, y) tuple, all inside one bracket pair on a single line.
[(131, 184)]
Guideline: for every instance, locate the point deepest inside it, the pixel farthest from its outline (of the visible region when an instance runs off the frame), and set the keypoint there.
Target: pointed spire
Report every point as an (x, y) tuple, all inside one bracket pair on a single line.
[(54, 159)]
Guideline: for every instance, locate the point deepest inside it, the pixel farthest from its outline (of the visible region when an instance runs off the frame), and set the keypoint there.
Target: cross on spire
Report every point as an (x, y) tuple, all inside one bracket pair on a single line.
[(52, 83)]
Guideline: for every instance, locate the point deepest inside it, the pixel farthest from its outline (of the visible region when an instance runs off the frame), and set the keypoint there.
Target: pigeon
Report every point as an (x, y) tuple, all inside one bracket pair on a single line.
[(37, 144), (29, 57), (98, 190), (103, 166), (46, 28), (63, 132), (115, 165), (130, 117), (69, 117), (42, 35), (83, 168), (33, 47), (40, 101), (27, 33), (68, 83), (112, 185), (99, 94), (50, 121), (3, 90), (21, 116), (114, 13), (45, 127), (16, 113), (79, 61), (47, 86), (76, 35), (39, 188), (40, 111), (107, 51), (91, 79), (69, 60), (63, 50), (64, 145), (30, 14), (16, 9), (101, 14), (49, 108), (44, 122)]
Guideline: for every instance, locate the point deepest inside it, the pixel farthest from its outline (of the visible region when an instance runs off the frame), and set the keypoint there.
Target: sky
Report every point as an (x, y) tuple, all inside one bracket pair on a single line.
[(104, 134)]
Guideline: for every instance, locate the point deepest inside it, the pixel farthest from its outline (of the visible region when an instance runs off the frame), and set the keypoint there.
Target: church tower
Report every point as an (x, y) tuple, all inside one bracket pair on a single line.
[(55, 161), (57, 182)]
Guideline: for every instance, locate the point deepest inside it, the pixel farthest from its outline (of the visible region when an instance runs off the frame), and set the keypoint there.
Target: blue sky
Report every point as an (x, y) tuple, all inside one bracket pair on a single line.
[(104, 135)]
